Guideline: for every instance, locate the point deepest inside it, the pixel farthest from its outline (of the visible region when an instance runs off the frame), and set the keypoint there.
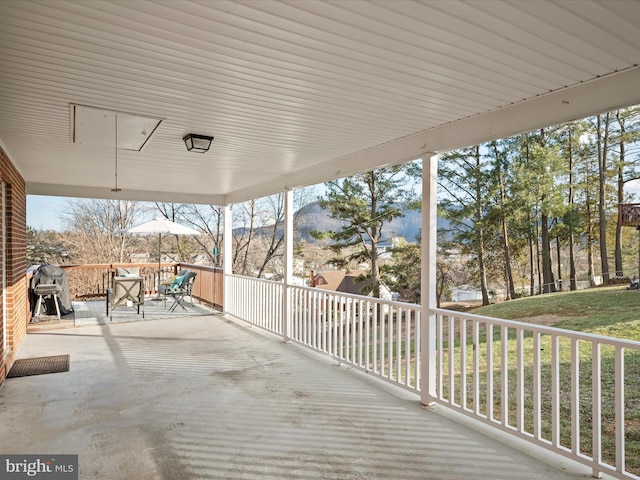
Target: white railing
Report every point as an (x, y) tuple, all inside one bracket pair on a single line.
[(257, 301), (572, 393), (376, 336), (563, 390)]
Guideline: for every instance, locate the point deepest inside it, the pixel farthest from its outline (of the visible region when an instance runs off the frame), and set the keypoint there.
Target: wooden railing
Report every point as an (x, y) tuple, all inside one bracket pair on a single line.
[(208, 284), (88, 282), (91, 281)]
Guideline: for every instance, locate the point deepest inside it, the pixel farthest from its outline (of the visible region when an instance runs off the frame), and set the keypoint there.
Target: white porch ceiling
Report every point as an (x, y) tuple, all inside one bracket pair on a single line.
[(295, 93)]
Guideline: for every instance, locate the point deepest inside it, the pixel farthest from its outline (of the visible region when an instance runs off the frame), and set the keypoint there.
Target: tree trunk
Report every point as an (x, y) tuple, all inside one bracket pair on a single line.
[(532, 278), (590, 263), (558, 260), (547, 271), (618, 252), (572, 261), (538, 269), (276, 234), (602, 181), (505, 230), (482, 268), (374, 255), (441, 282), (481, 240), (243, 243), (573, 285), (375, 270)]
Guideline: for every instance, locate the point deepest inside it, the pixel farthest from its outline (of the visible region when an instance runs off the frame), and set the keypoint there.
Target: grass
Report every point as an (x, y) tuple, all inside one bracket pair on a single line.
[(613, 312), (608, 311)]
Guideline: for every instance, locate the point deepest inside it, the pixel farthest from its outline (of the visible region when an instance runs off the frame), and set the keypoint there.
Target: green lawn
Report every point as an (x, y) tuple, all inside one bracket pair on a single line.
[(608, 311), (611, 311)]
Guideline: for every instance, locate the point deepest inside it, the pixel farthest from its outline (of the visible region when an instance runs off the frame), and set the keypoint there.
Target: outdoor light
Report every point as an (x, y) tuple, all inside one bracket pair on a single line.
[(197, 143)]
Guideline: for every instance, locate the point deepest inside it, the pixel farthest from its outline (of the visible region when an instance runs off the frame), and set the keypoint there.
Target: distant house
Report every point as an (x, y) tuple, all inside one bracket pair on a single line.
[(465, 293), (345, 282), (386, 246)]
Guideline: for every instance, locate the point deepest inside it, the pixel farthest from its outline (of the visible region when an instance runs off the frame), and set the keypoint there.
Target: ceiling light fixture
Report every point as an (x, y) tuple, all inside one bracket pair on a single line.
[(197, 143)]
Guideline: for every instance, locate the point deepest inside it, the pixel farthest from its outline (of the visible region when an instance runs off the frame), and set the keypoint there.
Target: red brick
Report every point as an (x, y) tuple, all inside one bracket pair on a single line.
[(16, 307)]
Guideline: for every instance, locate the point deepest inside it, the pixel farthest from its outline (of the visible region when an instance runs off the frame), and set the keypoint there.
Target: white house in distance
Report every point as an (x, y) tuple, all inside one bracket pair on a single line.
[(465, 293)]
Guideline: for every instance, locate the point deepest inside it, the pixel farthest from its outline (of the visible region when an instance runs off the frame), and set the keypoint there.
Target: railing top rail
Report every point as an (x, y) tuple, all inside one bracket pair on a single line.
[(589, 337), (116, 265), (355, 296), (246, 277), (195, 266), (136, 264)]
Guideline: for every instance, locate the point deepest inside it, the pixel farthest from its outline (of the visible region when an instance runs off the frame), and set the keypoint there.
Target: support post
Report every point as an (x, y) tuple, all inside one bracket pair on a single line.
[(227, 256), (428, 279), (288, 265)]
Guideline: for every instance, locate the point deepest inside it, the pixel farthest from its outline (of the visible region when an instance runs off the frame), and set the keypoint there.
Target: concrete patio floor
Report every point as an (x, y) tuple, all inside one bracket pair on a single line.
[(94, 312), (210, 398)]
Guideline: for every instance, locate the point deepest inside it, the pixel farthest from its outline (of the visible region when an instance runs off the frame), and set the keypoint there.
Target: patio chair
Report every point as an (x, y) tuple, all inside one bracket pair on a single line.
[(127, 290), (179, 287)]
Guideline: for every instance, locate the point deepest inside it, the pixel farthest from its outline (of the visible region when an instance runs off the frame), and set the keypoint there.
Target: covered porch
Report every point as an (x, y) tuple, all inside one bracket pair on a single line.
[(212, 397), (297, 94)]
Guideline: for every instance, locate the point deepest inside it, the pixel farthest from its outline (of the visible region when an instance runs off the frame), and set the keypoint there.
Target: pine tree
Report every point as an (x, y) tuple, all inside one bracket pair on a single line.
[(365, 203), (467, 184)]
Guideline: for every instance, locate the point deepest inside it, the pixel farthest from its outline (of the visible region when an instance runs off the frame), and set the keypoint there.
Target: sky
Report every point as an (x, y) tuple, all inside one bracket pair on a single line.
[(45, 213)]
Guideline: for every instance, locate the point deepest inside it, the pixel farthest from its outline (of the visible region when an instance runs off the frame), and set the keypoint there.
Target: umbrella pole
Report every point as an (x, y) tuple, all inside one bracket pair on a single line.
[(159, 266)]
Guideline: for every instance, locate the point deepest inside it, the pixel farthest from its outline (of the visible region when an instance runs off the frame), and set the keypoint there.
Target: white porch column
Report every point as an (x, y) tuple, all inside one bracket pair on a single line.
[(288, 265), (227, 256), (428, 276)]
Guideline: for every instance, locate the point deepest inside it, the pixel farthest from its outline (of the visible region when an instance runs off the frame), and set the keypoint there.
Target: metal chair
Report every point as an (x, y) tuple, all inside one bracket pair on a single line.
[(127, 291), (179, 288)]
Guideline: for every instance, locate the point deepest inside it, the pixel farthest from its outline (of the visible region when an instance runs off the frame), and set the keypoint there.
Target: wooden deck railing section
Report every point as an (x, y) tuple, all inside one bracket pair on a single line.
[(87, 282), (208, 285)]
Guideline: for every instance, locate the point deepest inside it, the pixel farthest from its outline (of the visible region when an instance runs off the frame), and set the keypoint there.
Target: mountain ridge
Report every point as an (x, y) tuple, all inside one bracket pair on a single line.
[(313, 217)]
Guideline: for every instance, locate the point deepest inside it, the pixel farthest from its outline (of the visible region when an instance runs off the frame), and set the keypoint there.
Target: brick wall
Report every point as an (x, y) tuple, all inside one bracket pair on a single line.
[(17, 305)]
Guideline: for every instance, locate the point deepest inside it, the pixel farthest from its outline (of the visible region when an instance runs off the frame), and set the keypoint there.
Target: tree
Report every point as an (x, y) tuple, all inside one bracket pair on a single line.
[(183, 247), (365, 203), (571, 218), (540, 167), (467, 191), (96, 229), (544, 155), (208, 219), (258, 234), (403, 276), (244, 231), (500, 166), (602, 138), (586, 191), (45, 246), (626, 170)]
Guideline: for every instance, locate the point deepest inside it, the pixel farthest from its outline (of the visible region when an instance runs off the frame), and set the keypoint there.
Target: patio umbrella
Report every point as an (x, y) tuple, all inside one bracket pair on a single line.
[(161, 226)]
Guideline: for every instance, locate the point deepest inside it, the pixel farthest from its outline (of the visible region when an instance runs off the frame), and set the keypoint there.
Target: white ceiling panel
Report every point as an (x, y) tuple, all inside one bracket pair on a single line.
[(295, 92)]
